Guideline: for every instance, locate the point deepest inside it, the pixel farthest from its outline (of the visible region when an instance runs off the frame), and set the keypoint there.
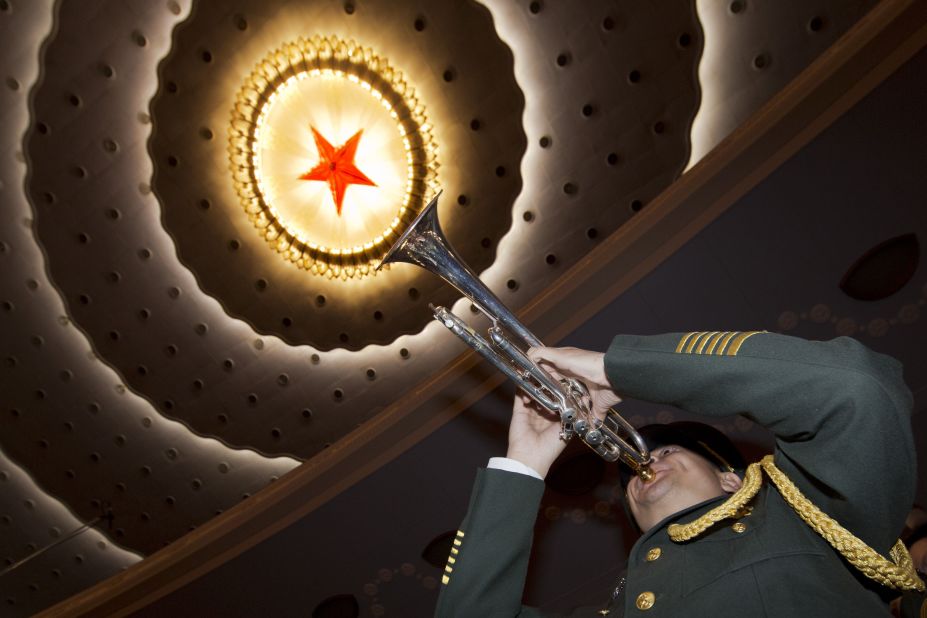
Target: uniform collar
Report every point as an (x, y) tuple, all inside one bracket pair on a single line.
[(660, 528)]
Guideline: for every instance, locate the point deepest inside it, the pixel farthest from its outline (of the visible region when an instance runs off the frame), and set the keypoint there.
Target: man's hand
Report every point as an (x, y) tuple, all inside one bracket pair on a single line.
[(534, 435), (583, 365)]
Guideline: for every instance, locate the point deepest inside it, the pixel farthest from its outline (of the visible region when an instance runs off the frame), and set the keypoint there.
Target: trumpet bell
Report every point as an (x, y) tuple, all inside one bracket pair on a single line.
[(424, 244)]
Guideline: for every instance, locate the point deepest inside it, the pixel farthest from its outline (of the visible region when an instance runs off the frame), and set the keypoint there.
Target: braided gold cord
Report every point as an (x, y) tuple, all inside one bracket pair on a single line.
[(753, 479), (897, 573)]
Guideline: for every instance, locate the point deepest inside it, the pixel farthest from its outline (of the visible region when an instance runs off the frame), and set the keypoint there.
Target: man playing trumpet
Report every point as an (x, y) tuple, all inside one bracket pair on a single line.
[(809, 531)]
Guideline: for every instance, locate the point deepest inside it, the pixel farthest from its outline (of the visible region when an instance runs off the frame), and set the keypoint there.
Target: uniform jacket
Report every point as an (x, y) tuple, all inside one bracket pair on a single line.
[(841, 417)]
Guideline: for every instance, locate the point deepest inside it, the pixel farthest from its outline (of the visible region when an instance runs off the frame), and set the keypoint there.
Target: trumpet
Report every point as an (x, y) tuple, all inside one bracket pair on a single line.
[(613, 438)]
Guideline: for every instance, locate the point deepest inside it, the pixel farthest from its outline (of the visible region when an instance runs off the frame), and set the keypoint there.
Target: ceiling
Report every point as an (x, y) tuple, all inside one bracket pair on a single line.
[(161, 362)]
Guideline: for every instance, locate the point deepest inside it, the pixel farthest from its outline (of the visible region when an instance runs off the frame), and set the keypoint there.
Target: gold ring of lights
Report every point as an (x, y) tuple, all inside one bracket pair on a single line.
[(353, 66)]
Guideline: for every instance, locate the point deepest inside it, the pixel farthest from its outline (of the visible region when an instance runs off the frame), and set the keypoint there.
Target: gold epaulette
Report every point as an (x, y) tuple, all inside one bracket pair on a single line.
[(897, 573)]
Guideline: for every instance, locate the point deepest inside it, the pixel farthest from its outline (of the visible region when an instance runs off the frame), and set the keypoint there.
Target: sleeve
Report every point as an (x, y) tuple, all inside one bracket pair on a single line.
[(840, 412), (512, 465), (485, 572)]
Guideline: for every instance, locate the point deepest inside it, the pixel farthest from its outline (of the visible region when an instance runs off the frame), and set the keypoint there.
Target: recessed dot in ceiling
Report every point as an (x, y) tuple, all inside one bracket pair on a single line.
[(882, 270), (761, 61), (439, 548)]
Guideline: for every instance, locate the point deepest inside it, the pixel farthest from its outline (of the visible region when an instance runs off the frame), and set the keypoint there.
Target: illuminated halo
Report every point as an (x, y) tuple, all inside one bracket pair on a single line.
[(350, 66)]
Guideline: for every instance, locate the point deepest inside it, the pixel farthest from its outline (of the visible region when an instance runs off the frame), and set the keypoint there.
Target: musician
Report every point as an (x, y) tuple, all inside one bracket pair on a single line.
[(716, 540)]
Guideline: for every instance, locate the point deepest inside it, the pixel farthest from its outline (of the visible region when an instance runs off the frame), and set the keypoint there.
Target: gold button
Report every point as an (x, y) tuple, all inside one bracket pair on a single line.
[(654, 554), (645, 600), (739, 527)]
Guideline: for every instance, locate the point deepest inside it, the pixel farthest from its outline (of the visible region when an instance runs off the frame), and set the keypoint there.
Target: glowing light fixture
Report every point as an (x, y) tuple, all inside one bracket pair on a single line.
[(298, 101)]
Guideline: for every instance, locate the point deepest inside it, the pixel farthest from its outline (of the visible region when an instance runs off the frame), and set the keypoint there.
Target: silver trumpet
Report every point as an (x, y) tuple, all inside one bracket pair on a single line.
[(425, 245)]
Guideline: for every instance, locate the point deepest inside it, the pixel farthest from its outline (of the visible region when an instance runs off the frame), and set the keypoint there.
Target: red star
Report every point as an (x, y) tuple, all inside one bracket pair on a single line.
[(336, 166)]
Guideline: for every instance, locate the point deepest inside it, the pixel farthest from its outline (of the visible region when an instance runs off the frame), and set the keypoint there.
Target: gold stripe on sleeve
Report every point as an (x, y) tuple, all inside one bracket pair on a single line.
[(724, 342), (694, 341), (682, 342), (701, 346), (739, 341), (714, 342)]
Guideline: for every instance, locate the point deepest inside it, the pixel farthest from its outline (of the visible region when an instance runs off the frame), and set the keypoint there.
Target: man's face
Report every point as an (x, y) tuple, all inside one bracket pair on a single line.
[(681, 479)]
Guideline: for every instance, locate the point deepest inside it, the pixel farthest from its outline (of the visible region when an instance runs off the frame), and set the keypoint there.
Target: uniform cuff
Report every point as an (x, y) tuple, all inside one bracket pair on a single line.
[(512, 465)]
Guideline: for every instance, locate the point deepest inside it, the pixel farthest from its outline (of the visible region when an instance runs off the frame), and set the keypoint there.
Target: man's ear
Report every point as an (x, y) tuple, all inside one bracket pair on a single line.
[(730, 482)]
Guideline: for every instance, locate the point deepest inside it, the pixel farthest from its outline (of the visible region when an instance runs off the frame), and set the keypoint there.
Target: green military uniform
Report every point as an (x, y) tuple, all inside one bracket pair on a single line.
[(841, 416)]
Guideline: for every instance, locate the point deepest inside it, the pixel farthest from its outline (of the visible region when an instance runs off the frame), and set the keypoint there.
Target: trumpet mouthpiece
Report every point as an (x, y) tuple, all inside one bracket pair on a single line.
[(645, 473)]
